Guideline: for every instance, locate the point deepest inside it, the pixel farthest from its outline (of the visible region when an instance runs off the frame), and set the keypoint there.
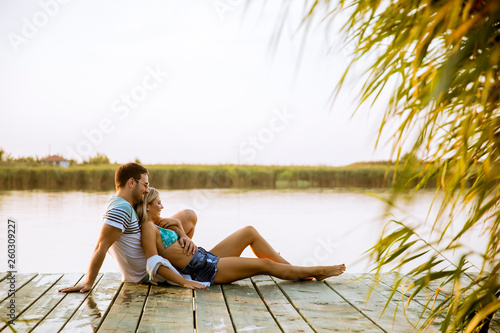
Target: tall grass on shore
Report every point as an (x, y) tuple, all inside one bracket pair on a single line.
[(196, 176)]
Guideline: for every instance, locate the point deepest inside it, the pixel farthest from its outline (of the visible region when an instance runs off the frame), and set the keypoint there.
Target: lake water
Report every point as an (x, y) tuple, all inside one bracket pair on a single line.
[(57, 231)]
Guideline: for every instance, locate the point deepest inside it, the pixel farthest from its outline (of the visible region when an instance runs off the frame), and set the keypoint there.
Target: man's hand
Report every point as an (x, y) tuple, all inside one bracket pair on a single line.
[(108, 236), (165, 223), (83, 288), (188, 245)]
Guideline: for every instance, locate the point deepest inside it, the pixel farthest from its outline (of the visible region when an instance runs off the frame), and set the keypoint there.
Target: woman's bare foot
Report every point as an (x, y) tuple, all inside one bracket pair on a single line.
[(330, 271)]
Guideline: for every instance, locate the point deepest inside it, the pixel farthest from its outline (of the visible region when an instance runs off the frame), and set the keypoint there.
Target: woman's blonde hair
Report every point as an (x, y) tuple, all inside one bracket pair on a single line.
[(141, 210)]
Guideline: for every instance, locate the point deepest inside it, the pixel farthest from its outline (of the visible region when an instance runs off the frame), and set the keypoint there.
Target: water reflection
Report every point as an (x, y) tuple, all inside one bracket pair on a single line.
[(57, 231), (95, 312)]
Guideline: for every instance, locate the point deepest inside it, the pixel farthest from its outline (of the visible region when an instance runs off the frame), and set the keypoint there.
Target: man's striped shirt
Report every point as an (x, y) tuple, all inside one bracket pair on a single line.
[(121, 214), (127, 250)]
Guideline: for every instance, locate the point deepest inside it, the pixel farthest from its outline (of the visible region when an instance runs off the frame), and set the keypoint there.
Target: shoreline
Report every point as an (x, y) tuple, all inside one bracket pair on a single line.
[(101, 177)]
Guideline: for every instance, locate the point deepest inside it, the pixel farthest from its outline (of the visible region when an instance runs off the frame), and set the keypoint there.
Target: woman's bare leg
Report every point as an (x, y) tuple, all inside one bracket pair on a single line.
[(231, 269), (234, 244), (188, 220)]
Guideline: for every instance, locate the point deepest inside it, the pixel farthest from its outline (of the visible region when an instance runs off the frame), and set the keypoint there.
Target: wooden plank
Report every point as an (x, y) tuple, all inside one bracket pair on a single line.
[(281, 309), (444, 290), (58, 317), (211, 314), (27, 295), (20, 280), (440, 290), (8, 289), (4, 275), (435, 289), (248, 311), (495, 324), (415, 309), (168, 309), (90, 314), (126, 311), (324, 309), (42, 306), (356, 292)]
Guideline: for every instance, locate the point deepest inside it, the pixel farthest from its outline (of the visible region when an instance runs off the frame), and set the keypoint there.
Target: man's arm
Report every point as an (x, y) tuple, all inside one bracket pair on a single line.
[(168, 223), (108, 236), (176, 225)]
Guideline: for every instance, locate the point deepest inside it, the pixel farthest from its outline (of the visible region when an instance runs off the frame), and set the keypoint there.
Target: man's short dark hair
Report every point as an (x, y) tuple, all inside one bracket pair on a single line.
[(127, 171)]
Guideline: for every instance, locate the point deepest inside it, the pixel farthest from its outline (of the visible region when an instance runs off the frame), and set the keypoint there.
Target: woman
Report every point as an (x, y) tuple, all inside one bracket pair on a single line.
[(223, 263)]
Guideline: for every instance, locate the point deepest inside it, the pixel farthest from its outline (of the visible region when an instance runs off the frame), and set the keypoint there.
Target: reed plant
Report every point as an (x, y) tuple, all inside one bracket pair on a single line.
[(101, 177), (441, 62)]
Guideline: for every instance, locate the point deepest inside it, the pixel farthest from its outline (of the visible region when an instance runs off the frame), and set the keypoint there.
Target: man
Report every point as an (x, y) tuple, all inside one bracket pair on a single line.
[(121, 233)]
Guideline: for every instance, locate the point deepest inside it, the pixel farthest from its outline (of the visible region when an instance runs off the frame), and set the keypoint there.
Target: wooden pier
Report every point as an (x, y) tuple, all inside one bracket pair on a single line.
[(259, 304)]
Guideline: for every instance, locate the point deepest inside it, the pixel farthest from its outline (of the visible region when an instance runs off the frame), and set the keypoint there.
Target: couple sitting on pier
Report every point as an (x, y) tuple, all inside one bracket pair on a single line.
[(149, 248)]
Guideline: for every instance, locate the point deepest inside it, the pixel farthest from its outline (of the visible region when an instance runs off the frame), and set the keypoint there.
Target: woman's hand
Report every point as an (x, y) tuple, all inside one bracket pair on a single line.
[(193, 285)]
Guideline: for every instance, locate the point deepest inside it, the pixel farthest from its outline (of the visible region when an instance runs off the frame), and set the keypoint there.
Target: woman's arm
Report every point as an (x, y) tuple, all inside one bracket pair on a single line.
[(148, 239), (170, 275)]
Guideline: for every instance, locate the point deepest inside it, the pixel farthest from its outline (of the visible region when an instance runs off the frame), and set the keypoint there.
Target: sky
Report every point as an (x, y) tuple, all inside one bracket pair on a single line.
[(198, 82)]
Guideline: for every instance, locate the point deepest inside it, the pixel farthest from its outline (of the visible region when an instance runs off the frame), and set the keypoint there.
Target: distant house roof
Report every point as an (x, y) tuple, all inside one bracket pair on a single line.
[(54, 158)]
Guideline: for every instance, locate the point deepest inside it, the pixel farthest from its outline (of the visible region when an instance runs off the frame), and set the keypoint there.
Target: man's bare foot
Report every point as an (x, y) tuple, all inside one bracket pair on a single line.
[(330, 271)]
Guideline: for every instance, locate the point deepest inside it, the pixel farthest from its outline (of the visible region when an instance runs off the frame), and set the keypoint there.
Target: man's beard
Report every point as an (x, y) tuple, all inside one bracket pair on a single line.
[(138, 196)]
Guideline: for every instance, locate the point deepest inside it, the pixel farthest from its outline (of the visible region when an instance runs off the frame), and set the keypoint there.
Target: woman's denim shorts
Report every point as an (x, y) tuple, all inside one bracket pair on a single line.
[(202, 266)]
